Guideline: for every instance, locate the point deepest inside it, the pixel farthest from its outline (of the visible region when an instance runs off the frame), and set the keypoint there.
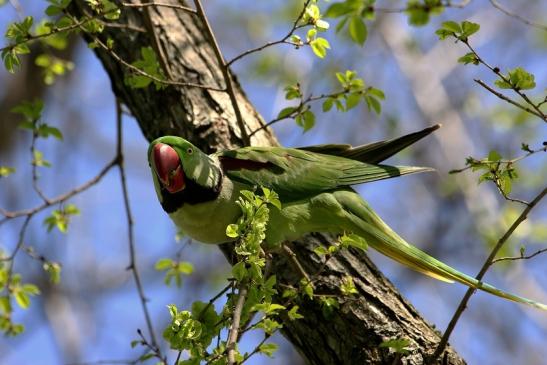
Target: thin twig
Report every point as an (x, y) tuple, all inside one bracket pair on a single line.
[(521, 257), (152, 77), (105, 362), (507, 162), (214, 299), (508, 99), (35, 170), (31, 38), (225, 71), (497, 71), (257, 348), (446, 4), (298, 109), (131, 241), (463, 304), (236, 319), (294, 259), (61, 198), (295, 26), (123, 26), (517, 16), (152, 349), (11, 258), (211, 301), (497, 182), (172, 6)]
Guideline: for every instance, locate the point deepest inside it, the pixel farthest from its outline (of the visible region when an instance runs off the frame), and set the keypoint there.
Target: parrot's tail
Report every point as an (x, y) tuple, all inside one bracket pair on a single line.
[(380, 237)]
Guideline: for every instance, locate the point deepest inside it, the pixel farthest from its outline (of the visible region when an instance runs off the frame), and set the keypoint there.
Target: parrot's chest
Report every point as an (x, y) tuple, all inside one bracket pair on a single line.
[(207, 221)]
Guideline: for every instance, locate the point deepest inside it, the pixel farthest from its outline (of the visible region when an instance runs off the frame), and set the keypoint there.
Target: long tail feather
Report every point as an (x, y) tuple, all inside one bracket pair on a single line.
[(383, 239)]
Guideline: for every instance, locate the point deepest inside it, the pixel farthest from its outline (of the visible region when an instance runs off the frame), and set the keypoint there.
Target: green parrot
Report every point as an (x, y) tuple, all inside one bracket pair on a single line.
[(199, 192)]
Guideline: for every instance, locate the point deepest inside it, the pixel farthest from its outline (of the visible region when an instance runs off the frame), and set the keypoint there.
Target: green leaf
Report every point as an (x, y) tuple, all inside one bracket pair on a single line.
[(322, 25), (398, 345), (6, 171), (38, 159), (307, 288), (296, 39), (30, 289), (22, 299), (19, 31), (505, 185), (451, 26), (469, 58), (336, 10), (312, 12), (311, 34), (307, 121), (347, 286), (328, 306), (377, 93), (352, 100), (185, 267), (45, 131), (319, 46), (522, 79), (60, 218), (373, 104), (11, 61), (353, 240), (269, 325), (518, 78), (286, 112), (238, 271), (149, 65), (293, 313), (494, 156), (357, 30), (54, 271), (232, 231), (31, 110), (163, 264), (321, 251), (110, 10), (327, 105), (469, 28), (53, 10), (289, 293), (417, 17), (268, 349), (293, 92)]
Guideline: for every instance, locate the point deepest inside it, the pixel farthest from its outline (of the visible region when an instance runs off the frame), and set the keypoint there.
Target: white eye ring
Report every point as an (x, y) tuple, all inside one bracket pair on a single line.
[(189, 151)]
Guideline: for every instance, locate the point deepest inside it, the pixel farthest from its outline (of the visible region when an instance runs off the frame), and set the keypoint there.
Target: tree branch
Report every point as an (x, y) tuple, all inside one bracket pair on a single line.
[(489, 261), (131, 241), (236, 319)]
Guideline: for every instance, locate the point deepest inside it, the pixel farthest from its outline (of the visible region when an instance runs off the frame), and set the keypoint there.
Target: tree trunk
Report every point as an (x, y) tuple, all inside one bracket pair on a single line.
[(378, 312)]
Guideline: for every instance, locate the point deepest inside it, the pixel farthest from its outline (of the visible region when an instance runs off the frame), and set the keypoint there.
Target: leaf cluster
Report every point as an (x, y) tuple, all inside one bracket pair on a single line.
[(11, 288)]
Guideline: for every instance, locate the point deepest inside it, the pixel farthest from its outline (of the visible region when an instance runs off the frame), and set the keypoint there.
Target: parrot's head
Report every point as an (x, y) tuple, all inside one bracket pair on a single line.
[(178, 166)]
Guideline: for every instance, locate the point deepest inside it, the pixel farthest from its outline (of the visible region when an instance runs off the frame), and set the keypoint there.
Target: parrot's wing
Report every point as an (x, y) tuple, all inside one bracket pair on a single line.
[(295, 174), (372, 153)]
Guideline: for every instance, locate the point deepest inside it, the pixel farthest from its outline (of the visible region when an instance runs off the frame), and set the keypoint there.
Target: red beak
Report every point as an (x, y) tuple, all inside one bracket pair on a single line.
[(168, 167)]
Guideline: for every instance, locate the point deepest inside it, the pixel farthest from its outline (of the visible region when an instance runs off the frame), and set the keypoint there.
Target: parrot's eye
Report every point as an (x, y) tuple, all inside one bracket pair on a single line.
[(189, 151)]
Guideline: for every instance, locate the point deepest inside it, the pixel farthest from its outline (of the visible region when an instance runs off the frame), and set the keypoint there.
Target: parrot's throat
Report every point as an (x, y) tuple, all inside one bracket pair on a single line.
[(193, 193)]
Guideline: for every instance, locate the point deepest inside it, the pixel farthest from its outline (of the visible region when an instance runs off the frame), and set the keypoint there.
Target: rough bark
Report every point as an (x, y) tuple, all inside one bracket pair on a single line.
[(206, 118)]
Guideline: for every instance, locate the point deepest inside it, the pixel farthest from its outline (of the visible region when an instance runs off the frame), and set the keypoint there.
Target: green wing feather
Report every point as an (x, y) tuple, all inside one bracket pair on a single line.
[(296, 174), (375, 152)]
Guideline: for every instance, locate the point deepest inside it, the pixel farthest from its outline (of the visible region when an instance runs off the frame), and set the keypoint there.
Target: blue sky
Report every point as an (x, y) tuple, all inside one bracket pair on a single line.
[(94, 313)]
